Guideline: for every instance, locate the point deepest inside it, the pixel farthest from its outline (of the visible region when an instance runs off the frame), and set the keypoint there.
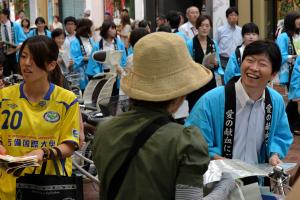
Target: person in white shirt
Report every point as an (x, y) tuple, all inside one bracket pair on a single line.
[(229, 35), (70, 27), (56, 23), (188, 28)]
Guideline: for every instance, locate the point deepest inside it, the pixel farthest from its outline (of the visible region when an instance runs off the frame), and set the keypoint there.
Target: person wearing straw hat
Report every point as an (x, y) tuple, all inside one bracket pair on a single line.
[(143, 153)]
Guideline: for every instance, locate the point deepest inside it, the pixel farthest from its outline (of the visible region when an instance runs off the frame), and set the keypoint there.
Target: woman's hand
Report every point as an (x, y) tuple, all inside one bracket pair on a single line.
[(217, 157), (2, 84), (2, 150), (71, 62), (39, 153), (274, 160)]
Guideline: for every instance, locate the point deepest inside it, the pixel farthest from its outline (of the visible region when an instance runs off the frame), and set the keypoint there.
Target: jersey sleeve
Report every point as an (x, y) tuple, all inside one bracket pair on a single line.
[(70, 129), (193, 158)]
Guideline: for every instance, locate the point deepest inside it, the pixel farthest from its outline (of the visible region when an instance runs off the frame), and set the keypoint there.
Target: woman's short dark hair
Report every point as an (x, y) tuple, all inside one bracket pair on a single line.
[(27, 20), (105, 27), (44, 51), (70, 19), (289, 23), (268, 48), (201, 18), (40, 20), (164, 28), (84, 26), (250, 28), (137, 34), (57, 32), (173, 18), (231, 10), (144, 23)]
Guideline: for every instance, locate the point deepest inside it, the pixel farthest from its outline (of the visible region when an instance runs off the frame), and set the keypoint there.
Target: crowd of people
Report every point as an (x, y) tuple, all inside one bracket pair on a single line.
[(145, 153)]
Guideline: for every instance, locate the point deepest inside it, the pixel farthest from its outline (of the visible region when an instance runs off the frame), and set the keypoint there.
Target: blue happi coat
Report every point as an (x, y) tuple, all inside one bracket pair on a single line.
[(208, 116), (294, 90), (283, 42)]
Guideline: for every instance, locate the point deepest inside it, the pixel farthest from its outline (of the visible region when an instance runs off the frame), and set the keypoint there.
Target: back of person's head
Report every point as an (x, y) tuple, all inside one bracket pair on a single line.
[(57, 32), (40, 20), (231, 10), (105, 27), (163, 69), (84, 26), (267, 48), (201, 18), (289, 25), (164, 28), (70, 19), (250, 28), (5, 12), (144, 23), (136, 35), (173, 18), (43, 51)]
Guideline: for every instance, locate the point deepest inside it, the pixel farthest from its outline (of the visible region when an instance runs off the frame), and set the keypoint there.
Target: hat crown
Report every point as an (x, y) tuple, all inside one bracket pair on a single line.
[(160, 54)]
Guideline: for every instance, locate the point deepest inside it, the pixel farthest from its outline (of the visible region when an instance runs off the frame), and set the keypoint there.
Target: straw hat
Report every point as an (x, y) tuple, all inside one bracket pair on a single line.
[(163, 69)]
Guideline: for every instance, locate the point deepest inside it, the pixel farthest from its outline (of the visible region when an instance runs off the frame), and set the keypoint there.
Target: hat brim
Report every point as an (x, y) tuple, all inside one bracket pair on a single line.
[(178, 83)]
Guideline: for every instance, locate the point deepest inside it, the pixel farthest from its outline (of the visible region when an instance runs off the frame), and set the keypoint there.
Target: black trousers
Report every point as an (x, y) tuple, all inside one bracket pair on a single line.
[(11, 66)]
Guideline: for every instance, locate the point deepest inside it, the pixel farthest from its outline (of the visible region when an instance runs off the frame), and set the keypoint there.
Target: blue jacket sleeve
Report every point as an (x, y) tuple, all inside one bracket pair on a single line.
[(232, 68), (202, 116), (281, 137), (93, 67), (294, 90), (121, 46), (282, 42), (220, 70), (189, 45), (48, 34), (76, 54), (19, 34)]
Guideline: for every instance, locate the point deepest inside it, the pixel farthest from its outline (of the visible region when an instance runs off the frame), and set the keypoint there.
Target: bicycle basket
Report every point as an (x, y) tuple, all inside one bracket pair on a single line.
[(114, 105)]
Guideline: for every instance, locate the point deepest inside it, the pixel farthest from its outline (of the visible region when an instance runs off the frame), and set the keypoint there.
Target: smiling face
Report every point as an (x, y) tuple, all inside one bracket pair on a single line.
[(256, 71), (29, 70), (59, 40)]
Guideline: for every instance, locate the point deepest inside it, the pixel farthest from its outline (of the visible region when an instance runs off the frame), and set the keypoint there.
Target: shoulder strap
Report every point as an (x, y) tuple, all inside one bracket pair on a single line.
[(229, 120), (138, 142), (81, 46), (238, 55), (101, 44)]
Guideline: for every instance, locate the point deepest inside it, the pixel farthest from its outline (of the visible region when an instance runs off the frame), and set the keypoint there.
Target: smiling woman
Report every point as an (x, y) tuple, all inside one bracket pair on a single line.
[(45, 115)]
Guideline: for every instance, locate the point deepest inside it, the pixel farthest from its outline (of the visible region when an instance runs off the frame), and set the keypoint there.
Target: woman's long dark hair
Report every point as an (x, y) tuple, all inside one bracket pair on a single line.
[(43, 51)]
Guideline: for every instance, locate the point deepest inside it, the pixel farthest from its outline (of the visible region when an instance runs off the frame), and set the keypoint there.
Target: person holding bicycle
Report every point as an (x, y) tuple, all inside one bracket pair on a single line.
[(37, 115)]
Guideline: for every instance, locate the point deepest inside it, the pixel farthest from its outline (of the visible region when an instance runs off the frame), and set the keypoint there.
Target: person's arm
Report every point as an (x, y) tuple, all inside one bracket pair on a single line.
[(76, 54), (201, 116), (218, 64), (231, 68), (282, 42), (281, 137), (193, 160), (294, 90)]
